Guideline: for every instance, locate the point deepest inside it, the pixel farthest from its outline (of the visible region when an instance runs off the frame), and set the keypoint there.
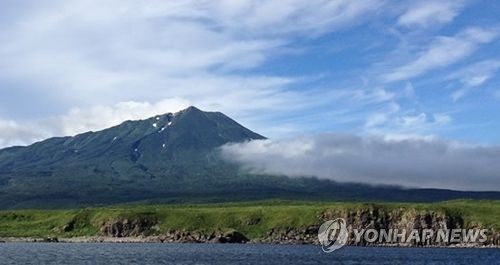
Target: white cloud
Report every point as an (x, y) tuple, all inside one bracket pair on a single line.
[(476, 74), (100, 117), (477, 80), (87, 53), (79, 120), (430, 13), (289, 16), (458, 94), (409, 90), (424, 162), (260, 94), (442, 52), (442, 118), (13, 133), (376, 119), (473, 76), (413, 121), (364, 95), (393, 121)]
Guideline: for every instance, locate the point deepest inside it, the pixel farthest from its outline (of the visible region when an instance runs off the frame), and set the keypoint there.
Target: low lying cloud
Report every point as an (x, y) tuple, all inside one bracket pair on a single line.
[(423, 162)]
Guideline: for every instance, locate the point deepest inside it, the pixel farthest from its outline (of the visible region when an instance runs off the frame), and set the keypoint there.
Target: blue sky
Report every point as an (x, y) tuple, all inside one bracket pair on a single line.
[(397, 69)]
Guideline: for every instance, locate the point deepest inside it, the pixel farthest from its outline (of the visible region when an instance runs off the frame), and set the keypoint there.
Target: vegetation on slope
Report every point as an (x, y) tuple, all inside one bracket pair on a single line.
[(254, 219)]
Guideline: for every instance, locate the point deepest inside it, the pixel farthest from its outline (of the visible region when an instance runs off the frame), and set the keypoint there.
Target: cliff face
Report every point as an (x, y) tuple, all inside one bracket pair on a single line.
[(280, 222), (400, 221)]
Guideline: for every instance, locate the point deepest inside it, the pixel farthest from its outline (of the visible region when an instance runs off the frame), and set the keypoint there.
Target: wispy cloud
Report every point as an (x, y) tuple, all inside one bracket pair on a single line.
[(239, 57), (98, 53), (394, 122), (430, 13), (397, 120), (442, 52), (473, 76), (411, 162), (289, 16), (79, 48)]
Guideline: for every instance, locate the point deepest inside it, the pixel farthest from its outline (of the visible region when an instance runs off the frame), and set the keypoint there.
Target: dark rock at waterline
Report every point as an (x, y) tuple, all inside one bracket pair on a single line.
[(51, 240), (231, 237)]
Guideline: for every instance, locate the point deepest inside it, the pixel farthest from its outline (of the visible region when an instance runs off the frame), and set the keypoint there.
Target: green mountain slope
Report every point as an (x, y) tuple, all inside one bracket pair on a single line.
[(166, 154)]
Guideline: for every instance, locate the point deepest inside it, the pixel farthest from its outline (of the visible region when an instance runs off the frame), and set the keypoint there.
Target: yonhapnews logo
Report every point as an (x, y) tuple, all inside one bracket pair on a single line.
[(333, 235)]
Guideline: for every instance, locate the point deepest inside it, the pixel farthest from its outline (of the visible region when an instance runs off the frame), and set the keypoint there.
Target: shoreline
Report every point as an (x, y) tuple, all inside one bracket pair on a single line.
[(285, 224), (159, 240)]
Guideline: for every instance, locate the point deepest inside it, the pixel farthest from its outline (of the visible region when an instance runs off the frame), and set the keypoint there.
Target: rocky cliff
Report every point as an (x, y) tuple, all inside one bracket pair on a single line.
[(276, 222), (147, 229)]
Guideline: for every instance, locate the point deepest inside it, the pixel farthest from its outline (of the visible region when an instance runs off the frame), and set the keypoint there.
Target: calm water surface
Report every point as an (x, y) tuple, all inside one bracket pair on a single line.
[(109, 254)]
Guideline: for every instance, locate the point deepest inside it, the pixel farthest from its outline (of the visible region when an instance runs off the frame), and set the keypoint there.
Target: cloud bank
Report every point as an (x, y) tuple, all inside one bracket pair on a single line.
[(412, 162)]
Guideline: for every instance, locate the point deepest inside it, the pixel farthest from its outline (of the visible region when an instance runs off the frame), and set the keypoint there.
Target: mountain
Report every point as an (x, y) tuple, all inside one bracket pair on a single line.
[(170, 157), (152, 147)]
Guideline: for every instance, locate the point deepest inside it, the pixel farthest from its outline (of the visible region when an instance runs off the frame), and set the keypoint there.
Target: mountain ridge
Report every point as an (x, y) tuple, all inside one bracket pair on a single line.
[(172, 156), (132, 133), (188, 109)]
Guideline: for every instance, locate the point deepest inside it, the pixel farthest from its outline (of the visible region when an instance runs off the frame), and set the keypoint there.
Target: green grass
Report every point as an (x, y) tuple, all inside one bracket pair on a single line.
[(254, 219)]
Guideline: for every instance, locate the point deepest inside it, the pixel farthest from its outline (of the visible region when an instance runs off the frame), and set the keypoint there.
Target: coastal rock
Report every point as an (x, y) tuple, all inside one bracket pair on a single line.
[(233, 237), (128, 227)]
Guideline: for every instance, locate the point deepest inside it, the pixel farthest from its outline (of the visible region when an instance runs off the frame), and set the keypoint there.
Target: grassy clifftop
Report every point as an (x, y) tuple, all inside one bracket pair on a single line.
[(254, 219)]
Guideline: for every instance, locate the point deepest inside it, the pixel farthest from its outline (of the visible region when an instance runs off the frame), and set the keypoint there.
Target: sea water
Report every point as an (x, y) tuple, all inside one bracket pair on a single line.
[(145, 253)]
